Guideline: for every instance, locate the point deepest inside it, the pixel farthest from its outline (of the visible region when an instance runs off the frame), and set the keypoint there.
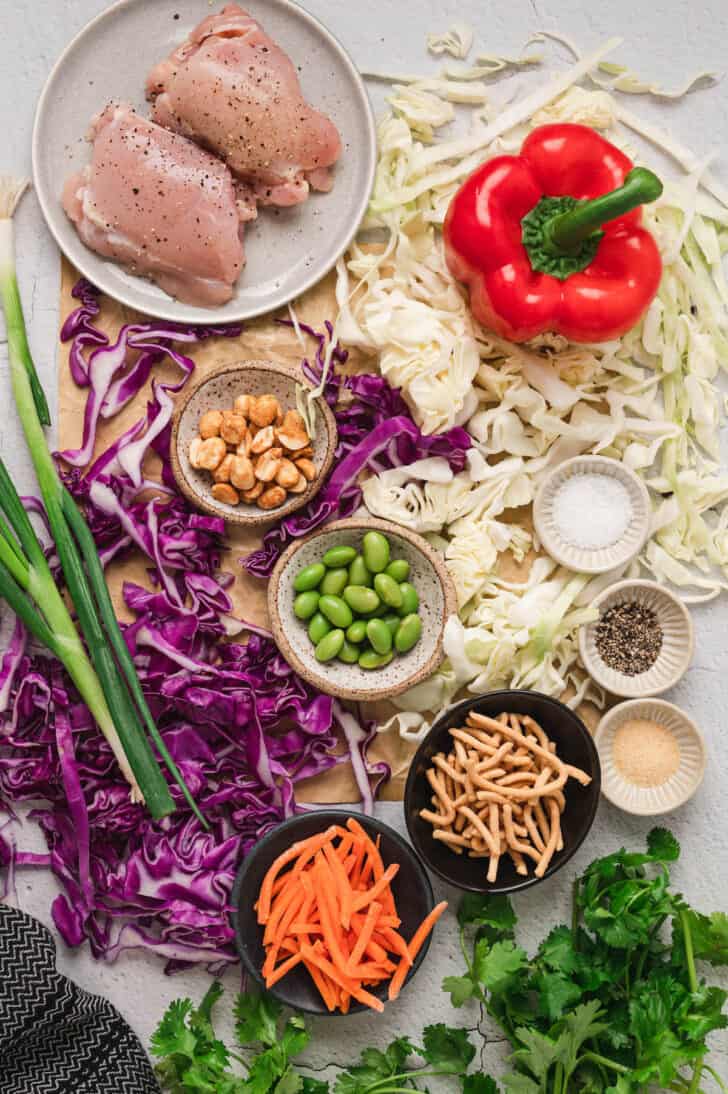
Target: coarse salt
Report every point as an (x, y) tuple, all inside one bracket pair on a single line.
[(592, 511)]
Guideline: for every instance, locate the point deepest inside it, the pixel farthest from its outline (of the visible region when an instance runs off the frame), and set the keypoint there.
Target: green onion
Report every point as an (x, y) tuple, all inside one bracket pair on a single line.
[(109, 687)]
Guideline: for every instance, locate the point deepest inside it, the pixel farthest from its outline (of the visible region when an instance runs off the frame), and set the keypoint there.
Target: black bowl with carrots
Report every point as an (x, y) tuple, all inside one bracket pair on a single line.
[(333, 912)]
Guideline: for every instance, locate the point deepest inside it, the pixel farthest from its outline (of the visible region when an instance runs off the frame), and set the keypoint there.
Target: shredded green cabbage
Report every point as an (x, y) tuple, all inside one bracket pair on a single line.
[(649, 399)]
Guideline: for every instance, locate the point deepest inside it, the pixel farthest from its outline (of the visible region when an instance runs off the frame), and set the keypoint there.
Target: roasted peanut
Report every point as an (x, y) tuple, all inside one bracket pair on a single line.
[(294, 442), (223, 491), (242, 475), (272, 497), (210, 424), (300, 486), (266, 467), (293, 422), (252, 495), (243, 449), (194, 452), (264, 410), (262, 441), (211, 453), (307, 469), (233, 428), (222, 473), (287, 474), (242, 405)]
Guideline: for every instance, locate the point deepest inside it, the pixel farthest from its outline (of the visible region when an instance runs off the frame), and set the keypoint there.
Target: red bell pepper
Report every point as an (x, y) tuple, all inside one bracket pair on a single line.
[(550, 240)]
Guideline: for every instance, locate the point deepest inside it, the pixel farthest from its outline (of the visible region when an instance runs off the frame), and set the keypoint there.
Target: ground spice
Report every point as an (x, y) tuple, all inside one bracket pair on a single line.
[(629, 638), (592, 511), (645, 752)]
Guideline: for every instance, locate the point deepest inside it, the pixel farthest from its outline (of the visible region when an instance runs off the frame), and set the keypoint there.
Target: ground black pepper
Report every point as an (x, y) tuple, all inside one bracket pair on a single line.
[(629, 638)]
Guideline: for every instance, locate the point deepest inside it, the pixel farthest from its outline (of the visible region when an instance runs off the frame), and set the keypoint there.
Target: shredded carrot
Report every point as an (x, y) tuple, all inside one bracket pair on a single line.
[(365, 935), (414, 946), (343, 981), (396, 943), (379, 887), (343, 888), (327, 904), (301, 852), (282, 970)]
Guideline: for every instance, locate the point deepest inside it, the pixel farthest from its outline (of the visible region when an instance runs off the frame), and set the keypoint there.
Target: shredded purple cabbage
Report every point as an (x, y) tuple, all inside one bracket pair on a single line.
[(376, 432), (242, 726)]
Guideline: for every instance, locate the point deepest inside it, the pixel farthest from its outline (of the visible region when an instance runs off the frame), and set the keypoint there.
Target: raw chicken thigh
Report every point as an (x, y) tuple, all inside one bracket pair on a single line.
[(230, 87), (165, 209)]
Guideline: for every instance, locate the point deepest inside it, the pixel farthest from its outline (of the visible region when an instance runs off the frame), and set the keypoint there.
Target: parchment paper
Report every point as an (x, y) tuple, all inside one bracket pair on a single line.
[(262, 338)]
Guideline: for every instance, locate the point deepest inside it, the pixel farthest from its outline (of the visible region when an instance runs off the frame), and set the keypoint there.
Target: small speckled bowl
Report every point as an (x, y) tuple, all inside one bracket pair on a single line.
[(428, 575), (592, 561), (218, 391), (677, 641), (651, 801)]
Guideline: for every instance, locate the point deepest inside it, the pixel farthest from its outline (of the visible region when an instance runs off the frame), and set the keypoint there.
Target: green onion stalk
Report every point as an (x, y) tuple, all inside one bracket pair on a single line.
[(105, 677)]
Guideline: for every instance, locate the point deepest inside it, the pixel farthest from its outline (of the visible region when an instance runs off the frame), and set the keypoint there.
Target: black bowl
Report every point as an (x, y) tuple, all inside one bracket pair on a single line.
[(411, 887), (574, 745)]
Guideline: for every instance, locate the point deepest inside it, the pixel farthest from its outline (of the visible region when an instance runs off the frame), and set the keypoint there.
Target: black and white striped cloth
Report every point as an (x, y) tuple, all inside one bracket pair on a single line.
[(55, 1038)]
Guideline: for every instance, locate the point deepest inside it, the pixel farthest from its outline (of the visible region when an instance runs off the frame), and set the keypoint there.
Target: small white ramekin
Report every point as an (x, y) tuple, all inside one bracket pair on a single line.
[(651, 801), (675, 653), (585, 560)]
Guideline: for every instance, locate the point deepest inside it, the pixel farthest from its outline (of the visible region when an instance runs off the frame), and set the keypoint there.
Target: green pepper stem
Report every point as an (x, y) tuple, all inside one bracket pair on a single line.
[(567, 231)]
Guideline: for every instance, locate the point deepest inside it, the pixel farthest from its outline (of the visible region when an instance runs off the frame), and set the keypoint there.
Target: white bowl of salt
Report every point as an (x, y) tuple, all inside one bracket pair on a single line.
[(592, 514)]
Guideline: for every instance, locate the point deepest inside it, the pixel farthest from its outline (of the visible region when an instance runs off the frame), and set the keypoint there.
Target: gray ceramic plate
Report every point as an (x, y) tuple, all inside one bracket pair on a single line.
[(288, 250)]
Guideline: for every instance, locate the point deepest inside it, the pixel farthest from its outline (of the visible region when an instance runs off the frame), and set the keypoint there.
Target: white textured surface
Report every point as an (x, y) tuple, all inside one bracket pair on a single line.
[(665, 40)]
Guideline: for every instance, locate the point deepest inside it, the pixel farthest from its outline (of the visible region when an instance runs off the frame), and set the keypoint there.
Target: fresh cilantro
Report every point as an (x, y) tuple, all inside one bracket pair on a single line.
[(537, 1052), (290, 1082), (498, 965), (556, 993), (314, 1086), (256, 1019), (606, 1005), (662, 845), (448, 1051), (709, 935), (461, 988), (478, 1083), (191, 1057), (558, 951), (487, 910)]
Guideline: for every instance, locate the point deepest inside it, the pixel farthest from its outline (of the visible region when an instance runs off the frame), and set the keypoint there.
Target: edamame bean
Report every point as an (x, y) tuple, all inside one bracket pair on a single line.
[(388, 589), (349, 654), (392, 621), (398, 569), (330, 646), (336, 610), (357, 632), (359, 573), (361, 599), (338, 556), (370, 659), (306, 604), (379, 635), (334, 582), (375, 548), (408, 633), (318, 627), (410, 599), (309, 577)]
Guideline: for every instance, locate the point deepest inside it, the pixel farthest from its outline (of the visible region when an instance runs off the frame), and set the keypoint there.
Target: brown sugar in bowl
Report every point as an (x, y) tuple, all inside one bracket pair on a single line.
[(218, 390), (437, 602)]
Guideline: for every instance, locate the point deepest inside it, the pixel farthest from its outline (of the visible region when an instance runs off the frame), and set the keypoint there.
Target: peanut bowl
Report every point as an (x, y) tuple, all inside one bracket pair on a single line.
[(257, 442)]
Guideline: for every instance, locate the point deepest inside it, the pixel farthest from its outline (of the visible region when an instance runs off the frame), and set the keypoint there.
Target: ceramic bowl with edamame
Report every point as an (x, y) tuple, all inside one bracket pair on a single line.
[(359, 608)]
